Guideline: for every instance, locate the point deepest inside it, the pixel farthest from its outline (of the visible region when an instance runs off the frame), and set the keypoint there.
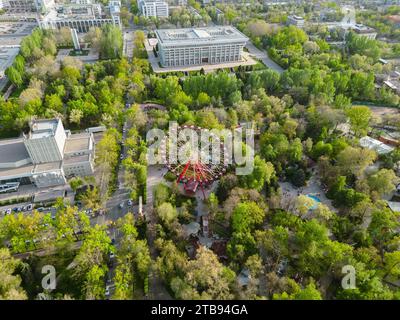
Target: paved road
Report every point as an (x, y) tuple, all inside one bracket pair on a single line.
[(263, 56)]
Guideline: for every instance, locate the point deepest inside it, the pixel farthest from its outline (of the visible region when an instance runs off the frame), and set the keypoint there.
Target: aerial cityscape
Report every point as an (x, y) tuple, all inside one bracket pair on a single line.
[(199, 150)]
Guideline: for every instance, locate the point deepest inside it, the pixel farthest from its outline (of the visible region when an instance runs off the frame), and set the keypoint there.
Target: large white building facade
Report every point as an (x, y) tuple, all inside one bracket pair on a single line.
[(25, 6), (153, 8), (199, 46), (81, 15), (47, 155)]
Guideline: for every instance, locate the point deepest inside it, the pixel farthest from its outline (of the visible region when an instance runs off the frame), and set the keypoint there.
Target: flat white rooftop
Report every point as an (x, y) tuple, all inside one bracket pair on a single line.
[(43, 128), (373, 144), (200, 35)]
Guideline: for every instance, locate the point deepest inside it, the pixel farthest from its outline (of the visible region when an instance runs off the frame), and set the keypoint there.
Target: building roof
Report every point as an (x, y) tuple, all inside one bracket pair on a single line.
[(360, 28), (220, 34), (394, 206), (48, 166), (77, 142), (43, 128), (13, 150), (48, 195), (373, 144), (14, 173), (298, 18)]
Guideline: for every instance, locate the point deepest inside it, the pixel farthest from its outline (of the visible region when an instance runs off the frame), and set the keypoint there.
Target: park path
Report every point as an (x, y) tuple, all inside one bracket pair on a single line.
[(263, 56)]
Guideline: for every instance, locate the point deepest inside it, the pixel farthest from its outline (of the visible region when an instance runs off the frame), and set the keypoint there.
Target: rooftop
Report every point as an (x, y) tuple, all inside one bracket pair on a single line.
[(200, 35), (298, 18), (48, 166), (360, 28), (77, 142), (23, 171), (373, 144), (12, 150), (43, 128)]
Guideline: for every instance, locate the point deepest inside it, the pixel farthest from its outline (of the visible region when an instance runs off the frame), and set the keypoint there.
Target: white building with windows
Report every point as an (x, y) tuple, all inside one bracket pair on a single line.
[(46, 156), (297, 21), (81, 15), (199, 46), (153, 8), (364, 31)]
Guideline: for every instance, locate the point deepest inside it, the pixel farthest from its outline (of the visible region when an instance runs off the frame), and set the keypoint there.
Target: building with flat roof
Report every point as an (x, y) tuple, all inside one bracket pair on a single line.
[(198, 46), (364, 31), (81, 15), (294, 20), (47, 155), (153, 8), (374, 144)]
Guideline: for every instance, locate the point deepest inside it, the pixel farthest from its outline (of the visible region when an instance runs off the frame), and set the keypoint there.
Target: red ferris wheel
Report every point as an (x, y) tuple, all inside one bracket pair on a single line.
[(198, 169)]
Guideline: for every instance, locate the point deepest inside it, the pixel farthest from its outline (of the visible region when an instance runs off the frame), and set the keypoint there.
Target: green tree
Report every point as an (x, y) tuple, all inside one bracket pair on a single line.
[(10, 284), (359, 117)]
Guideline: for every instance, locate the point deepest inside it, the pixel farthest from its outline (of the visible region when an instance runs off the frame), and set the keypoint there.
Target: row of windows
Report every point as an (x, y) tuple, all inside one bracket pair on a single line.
[(182, 62), (198, 46)]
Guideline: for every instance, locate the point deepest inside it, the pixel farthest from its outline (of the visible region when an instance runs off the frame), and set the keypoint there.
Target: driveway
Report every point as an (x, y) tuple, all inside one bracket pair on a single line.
[(263, 56)]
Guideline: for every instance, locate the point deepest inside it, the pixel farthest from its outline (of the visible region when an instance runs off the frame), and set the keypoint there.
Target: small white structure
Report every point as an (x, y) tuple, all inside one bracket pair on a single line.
[(394, 206), (373, 144), (365, 31), (294, 20)]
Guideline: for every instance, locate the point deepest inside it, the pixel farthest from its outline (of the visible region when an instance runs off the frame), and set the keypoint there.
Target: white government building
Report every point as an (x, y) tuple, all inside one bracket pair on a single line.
[(153, 8), (47, 155), (198, 46)]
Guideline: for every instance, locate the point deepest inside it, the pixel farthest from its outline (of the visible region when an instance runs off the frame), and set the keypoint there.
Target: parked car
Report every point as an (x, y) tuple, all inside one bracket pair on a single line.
[(121, 205), (29, 207), (107, 291), (130, 202), (8, 211)]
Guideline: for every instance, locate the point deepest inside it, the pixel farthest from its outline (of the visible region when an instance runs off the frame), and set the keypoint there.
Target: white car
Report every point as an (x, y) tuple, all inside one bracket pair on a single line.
[(29, 207), (121, 205), (107, 291), (130, 202), (8, 211)]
